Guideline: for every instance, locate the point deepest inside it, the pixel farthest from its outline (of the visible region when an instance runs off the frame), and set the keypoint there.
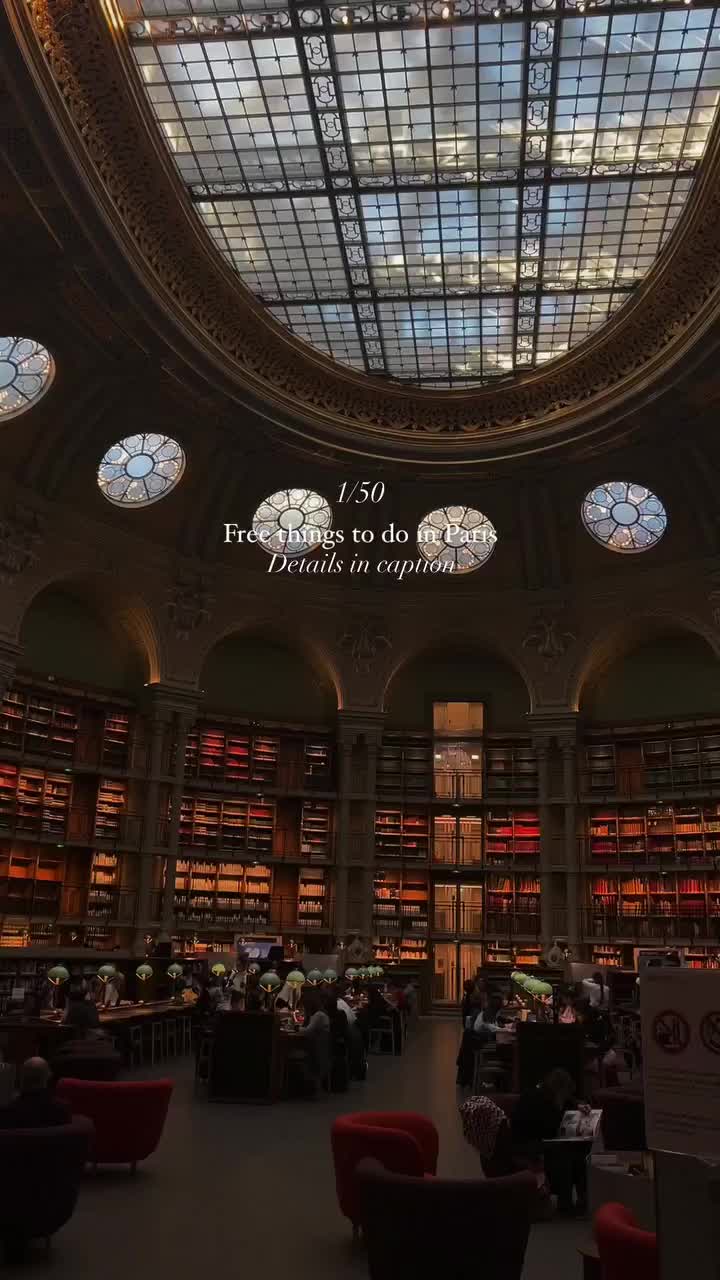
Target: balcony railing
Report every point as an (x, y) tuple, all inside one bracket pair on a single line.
[(280, 842), (72, 826), (650, 781), (60, 902), (463, 920), (219, 911), (598, 926)]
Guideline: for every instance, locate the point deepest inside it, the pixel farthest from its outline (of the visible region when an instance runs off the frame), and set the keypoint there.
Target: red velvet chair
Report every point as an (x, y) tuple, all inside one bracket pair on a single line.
[(459, 1228), (626, 1251), (128, 1116), (402, 1141)]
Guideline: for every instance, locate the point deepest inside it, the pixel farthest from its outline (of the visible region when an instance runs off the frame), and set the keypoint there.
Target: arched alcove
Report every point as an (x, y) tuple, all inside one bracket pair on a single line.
[(466, 674), (671, 673), (68, 633), (261, 675)]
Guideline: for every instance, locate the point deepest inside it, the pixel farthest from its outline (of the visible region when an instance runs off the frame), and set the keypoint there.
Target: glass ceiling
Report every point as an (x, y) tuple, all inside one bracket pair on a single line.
[(443, 191)]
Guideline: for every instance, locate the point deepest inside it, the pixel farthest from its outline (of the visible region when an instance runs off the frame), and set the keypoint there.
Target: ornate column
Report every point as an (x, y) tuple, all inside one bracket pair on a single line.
[(541, 743), (568, 747), (342, 826), (356, 818), (159, 730), (172, 712)]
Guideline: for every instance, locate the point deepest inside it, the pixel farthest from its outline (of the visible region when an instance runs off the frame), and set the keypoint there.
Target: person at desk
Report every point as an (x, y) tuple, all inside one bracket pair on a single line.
[(316, 1034), (535, 1121), (35, 1107), (341, 989), (80, 1012), (596, 990)]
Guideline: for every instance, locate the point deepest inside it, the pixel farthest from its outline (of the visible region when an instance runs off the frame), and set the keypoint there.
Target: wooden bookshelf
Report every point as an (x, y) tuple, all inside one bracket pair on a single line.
[(223, 894), (311, 898), (37, 724), (516, 954), (399, 950), (240, 825), (511, 836), (401, 902), (402, 833), (116, 739), (677, 896), (701, 958), (511, 769), (677, 762), (656, 833), (404, 765), (220, 754), (33, 801), (516, 897), (104, 880), (315, 835), (605, 954), (111, 805), (317, 763), (33, 879)]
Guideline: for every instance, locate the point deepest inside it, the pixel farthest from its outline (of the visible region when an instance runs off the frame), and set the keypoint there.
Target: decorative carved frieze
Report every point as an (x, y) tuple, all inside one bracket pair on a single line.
[(366, 639), (549, 638), (189, 604), (21, 535)]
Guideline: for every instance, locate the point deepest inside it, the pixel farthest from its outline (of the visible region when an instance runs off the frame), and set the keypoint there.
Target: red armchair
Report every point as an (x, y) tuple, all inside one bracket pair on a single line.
[(461, 1228), (402, 1141), (626, 1251), (128, 1116)]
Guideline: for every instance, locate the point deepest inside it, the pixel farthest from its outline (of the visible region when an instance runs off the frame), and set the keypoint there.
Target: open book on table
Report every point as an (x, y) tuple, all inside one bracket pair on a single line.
[(579, 1125)]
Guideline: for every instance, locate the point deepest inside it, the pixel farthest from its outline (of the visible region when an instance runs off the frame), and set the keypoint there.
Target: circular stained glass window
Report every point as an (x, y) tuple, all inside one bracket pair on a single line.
[(461, 536), (624, 517), (140, 469), (292, 522), (26, 370)]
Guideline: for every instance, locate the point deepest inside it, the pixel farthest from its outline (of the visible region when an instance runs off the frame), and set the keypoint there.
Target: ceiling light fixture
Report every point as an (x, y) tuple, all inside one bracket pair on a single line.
[(500, 9), (347, 18), (446, 12)]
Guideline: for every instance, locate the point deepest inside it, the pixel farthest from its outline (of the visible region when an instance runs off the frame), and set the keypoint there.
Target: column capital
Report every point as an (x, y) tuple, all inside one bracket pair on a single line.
[(551, 724), (354, 724), (167, 700)]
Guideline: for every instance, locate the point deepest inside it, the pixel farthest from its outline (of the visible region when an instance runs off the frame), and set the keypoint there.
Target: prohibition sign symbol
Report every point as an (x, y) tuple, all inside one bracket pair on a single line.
[(710, 1031), (671, 1031)]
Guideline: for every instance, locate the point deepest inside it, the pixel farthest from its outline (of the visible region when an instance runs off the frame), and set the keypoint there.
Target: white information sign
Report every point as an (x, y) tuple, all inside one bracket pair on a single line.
[(680, 1011)]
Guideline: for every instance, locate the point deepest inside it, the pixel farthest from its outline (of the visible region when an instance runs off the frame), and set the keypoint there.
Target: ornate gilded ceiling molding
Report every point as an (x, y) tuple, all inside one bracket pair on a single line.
[(78, 56)]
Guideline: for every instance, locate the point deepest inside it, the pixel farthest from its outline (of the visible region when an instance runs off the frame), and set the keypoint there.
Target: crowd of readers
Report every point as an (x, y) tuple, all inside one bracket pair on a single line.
[(537, 1115), (487, 1012), (336, 1022)]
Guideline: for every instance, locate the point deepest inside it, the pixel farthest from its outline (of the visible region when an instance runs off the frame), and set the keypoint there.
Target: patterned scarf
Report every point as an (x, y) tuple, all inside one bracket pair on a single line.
[(481, 1121)]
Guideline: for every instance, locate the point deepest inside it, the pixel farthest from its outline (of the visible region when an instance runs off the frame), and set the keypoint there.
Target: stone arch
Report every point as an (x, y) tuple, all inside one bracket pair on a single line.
[(278, 637), (519, 688), (622, 637), (113, 608)]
